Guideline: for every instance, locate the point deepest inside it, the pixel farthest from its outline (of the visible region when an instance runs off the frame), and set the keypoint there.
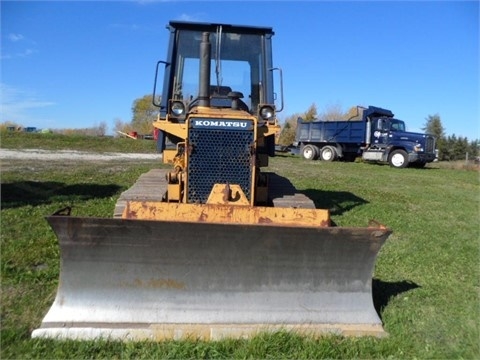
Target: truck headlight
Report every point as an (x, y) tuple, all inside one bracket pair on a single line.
[(418, 148)]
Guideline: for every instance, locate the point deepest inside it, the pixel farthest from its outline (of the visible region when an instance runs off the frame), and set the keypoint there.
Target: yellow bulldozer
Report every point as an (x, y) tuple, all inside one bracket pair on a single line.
[(213, 247)]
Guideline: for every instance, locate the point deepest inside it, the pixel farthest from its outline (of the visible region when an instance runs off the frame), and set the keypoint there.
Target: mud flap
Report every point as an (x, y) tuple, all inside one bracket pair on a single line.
[(138, 279)]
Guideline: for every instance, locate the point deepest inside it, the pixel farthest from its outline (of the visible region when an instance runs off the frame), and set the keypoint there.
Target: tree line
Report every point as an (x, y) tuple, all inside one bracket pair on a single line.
[(450, 147)]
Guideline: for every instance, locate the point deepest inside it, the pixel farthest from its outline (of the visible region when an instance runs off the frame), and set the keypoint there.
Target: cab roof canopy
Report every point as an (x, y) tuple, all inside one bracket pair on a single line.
[(212, 27)]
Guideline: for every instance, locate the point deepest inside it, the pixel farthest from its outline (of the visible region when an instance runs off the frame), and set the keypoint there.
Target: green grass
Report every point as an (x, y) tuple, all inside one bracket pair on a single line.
[(426, 283), (21, 140)]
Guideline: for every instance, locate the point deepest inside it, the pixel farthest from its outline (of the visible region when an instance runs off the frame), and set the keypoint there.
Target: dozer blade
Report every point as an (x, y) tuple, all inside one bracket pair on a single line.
[(138, 279)]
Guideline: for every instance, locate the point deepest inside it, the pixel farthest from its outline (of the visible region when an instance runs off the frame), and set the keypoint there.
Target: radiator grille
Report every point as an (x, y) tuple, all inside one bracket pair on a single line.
[(218, 156), (430, 144)]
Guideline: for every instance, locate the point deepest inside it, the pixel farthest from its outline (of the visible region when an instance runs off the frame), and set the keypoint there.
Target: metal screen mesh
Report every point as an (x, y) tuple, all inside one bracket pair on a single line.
[(430, 144), (218, 156)]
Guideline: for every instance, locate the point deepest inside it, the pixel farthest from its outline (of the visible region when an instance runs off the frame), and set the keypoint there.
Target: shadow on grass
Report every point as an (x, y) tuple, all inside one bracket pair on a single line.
[(338, 202), (383, 291), (34, 193), (285, 154)]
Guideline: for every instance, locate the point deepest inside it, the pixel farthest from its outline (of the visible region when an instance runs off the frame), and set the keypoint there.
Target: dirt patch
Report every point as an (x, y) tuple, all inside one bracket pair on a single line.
[(71, 155)]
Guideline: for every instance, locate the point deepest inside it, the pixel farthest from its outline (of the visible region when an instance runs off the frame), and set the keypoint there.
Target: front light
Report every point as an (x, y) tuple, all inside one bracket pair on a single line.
[(177, 108), (267, 112), (418, 148)]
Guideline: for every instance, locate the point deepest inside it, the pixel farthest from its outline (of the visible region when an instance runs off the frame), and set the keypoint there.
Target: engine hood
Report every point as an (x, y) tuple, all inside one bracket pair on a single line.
[(408, 136)]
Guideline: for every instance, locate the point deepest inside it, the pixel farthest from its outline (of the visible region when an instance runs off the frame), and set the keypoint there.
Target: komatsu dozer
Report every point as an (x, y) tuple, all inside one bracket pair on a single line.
[(212, 247)]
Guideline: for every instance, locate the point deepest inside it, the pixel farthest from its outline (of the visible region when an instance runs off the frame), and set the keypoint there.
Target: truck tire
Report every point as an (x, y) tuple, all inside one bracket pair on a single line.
[(310, 152), (328, 153), (398, 159)]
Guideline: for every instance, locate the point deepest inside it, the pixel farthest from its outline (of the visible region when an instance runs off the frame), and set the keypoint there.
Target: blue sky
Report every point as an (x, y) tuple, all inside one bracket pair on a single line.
[(71, 64)]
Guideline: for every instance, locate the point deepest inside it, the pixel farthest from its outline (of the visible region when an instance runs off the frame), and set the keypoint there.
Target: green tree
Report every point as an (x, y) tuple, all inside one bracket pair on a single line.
[(449, 148), (144, 114), (333, 112), (433, 126), (474, 148), (460, 148), (287, 135), (311, 113)]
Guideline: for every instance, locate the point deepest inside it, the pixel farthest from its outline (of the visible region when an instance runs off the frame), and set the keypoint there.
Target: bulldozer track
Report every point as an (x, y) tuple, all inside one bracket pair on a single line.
[(283, 194), (152, 186)]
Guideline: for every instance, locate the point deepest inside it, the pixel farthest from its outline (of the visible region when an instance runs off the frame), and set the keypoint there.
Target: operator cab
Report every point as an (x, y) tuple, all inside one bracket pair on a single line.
[(241, 67)]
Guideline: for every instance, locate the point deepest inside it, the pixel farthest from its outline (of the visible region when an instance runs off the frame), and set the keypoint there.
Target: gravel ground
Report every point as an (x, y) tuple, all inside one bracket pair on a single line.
[(39, 154)]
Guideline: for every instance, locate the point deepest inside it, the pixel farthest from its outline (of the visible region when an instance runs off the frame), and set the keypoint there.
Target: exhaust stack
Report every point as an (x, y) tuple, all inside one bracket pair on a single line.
[(204, 86)]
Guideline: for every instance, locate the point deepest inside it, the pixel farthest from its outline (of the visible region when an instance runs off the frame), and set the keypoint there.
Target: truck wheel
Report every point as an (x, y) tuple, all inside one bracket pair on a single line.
[(398, 159), (328, 153), (310, 152)]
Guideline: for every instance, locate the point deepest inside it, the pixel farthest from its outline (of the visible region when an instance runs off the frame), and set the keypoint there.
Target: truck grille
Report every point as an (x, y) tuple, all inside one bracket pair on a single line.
[(218, 156), (429, 144)]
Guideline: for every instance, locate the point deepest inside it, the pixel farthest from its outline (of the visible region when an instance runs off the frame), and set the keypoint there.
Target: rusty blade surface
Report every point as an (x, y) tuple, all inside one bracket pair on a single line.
[(152, 279)]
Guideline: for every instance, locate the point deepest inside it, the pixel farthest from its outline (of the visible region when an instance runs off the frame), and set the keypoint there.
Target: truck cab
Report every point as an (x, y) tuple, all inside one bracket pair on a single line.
[(390, 142)]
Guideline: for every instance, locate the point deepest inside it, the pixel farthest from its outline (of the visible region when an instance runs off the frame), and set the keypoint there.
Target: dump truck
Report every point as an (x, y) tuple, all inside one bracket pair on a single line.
[(212, 247), (373, 134)]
